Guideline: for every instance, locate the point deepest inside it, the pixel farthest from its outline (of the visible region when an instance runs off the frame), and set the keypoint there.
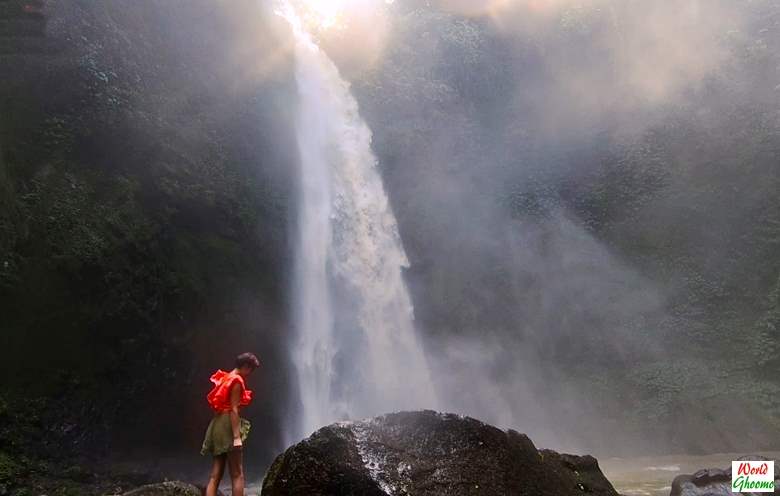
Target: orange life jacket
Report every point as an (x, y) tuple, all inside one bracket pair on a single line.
[(219, 396)]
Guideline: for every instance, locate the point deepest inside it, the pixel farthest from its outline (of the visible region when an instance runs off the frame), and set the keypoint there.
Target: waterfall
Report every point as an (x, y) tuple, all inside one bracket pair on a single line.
[(356, 352)]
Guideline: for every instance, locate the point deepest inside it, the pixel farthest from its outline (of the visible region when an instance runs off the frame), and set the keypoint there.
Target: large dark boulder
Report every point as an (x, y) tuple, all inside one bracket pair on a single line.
[(711, 481), (428, 453)]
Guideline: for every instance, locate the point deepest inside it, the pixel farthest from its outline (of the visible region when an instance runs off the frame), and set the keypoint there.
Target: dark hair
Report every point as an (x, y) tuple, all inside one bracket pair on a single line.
[(247, 359)]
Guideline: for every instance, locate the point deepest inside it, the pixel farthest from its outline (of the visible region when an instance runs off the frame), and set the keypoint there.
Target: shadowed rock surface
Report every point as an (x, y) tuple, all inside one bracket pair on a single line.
[(168, 488), (171, 488), (428, 453), (711, 481)]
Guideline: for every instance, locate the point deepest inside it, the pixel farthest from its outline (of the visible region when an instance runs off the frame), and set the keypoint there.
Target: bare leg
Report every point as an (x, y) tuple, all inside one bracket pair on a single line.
[(236, 466), (216, 475)]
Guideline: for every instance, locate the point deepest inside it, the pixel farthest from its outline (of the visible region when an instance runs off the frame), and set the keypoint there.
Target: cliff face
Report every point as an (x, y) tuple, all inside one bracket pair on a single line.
[(577, 245), (144, 208), (427, 453)]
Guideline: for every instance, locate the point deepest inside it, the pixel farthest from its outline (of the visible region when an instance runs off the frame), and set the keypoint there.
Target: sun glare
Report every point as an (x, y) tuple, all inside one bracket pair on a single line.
[(325, 14)]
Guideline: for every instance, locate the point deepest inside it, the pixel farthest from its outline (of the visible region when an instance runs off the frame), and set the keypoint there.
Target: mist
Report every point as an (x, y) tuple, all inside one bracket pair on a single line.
[(571, 207), (528, 264)]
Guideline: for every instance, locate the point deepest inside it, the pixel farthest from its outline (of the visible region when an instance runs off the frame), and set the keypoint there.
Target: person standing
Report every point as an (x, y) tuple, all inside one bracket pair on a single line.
[(227, 431)]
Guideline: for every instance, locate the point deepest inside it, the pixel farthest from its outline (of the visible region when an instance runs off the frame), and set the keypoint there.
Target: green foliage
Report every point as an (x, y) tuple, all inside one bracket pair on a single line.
[(10, 470), (139, 218)]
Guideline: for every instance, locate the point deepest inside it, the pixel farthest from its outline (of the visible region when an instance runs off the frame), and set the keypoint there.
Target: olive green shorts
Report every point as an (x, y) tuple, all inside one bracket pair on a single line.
[(219, 435)]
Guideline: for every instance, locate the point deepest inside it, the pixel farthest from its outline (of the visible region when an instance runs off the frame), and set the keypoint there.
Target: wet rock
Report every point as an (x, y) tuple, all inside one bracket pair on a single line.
[(173, 488), (427, 454), (711, 481)]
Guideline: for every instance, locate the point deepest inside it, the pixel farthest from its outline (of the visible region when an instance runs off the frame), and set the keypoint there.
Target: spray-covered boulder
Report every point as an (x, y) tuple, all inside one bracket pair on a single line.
[(426, 454)]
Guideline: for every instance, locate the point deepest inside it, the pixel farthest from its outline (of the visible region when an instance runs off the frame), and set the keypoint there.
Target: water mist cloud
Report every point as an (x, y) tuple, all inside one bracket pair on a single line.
[(603, 56), (500, 131)]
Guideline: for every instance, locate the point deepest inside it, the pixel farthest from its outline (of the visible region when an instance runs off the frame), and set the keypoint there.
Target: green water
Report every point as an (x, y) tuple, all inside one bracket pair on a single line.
[(652, 476)]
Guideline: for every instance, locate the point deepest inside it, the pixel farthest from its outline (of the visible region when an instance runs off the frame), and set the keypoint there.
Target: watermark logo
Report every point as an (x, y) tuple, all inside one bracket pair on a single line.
[(753, 476)]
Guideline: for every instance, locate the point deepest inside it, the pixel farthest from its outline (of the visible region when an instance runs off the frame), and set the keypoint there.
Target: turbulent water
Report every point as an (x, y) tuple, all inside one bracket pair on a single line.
[(357, 353)]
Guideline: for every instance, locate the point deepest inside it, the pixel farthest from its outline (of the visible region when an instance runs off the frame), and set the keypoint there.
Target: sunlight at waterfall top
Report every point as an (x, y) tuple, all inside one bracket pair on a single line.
[(329, 14)]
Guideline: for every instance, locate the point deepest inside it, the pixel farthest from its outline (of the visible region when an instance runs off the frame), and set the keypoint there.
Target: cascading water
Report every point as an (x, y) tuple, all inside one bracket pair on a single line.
[(356, 353)]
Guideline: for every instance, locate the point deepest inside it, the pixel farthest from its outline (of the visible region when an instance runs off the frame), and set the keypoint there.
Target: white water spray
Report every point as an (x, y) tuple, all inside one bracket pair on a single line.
[(356, 354)]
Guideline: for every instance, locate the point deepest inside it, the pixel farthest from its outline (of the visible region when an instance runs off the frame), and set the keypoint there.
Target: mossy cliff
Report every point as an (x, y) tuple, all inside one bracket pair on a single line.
[(144, 208)]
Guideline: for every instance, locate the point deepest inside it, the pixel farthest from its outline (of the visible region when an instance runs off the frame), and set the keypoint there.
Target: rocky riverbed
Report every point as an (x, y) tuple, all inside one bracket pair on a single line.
[(653, 475), (422, 453)]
